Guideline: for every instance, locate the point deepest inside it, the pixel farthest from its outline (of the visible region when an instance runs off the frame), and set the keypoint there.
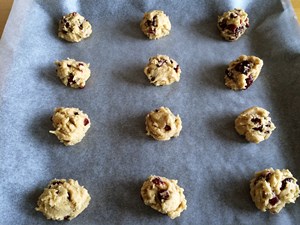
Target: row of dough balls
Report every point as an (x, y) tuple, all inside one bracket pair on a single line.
[(155, 24), (71, 124), (162, 70), (269, 189)]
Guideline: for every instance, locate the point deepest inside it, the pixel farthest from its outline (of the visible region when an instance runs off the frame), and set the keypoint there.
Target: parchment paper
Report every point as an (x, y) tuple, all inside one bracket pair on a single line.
[(209, 159)]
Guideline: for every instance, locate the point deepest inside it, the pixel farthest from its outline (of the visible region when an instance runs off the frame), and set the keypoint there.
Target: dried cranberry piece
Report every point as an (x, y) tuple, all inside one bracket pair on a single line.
[(56, 183), (176, 68), (158, 181), (167, 128), (232, 16), (283, 185), (259, 128), (152, 31), (232, 28), (163, 195), (86, 122), (67, 24), (161, 62), (274, 200), (80, 64), (243, 67), (70, 79), (249, 81), (268, 176), (256, 120), (222, 24), (66, 217)]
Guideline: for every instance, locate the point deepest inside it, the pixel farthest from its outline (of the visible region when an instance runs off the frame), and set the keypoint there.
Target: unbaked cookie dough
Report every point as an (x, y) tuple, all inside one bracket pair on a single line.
[(272, 189), (242, 72), (74, 27), (233, 24), (255, 124), (164, 195), (162, 125), (63, 200), (155, 24), (73, 73), (70, 125), (162, 70)]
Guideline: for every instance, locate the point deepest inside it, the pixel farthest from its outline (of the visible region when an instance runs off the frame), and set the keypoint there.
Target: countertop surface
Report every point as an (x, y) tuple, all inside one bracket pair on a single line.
[(5, 7)]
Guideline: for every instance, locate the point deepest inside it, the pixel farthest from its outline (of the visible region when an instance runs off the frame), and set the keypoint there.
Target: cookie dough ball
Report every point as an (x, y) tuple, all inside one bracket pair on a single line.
[(272, 189), (155, 24), (73, 73), (162, 70), (63, 200), (162, 125), (164, 195), (74, 27), (255, 124), (242, 72), (70, 125), (233, 24)]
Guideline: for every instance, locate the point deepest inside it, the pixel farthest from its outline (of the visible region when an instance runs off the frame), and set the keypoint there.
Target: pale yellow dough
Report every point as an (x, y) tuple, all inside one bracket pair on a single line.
[(73, 73), (162, 70), (255, 124), (63, 200), (162, 124), (242, 72), (74, 27), (70, 125), (164, 195), (271, 189), (155, 24)]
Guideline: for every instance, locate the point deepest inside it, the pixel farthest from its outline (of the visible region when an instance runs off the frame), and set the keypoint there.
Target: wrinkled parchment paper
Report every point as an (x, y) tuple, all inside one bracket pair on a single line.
[(209, 159)]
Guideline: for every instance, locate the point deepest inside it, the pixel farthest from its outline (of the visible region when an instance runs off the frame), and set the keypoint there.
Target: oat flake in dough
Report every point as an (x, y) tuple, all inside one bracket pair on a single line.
[(63, 200), (272, 189), (155, 24), (162, 124), (73, 73), (162, 70), (74, 27), (70, 125), (164, 195), (255, 124)]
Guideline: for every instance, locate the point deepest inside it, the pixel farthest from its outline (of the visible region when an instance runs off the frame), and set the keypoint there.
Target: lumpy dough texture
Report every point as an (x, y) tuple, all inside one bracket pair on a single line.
[(272, 189), (74, 27), (242, 72), (70, 125), (162, 70), (63, 200), (233, 24), (73, 73), (255, 124), (162, 125), (155, 24), (164, 195)]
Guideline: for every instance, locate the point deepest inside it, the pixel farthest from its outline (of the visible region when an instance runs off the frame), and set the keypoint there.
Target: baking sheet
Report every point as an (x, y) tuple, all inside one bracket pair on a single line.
[(212, 163)]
